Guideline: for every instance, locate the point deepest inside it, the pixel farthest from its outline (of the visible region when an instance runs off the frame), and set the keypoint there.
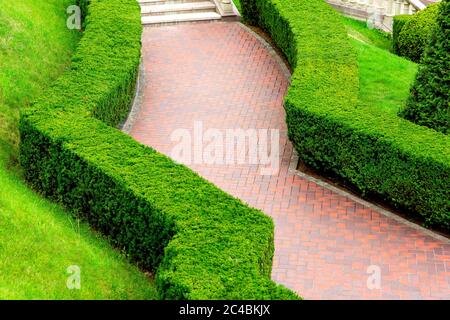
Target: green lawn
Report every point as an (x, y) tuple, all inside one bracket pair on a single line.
[(35, 47), (237, 3), (385, 78), (38, 239)]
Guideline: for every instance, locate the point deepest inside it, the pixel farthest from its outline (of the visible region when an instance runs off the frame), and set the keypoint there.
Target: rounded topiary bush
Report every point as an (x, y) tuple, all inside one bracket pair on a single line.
[(415, 33), (429, 102)]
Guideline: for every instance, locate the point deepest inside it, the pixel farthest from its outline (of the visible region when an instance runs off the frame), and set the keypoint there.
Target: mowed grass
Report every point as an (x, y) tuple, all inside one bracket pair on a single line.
[(35, 47), (237, 3), (385, 78), (38, 239)]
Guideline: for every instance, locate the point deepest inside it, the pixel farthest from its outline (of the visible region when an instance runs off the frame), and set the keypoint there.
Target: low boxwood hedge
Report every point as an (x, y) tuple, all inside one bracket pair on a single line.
[(411, 35), (381, 155), (202, 243)]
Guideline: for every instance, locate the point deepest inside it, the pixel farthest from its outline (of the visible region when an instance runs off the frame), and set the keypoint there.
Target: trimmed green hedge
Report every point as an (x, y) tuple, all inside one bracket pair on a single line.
[(83, 4), (429, 102), (411, 35), (381, 155), (203, 243)]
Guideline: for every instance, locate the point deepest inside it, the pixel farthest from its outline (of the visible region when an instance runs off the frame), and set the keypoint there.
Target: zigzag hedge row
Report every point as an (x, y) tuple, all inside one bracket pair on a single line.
[(203, 243), (382, 155)]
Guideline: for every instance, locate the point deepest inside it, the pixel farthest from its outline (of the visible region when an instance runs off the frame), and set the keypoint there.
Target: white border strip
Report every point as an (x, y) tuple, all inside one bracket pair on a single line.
[(293, 169), (137, 101)]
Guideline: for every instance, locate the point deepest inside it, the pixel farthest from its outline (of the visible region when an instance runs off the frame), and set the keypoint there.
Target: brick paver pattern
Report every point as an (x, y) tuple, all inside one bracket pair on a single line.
[(221, 75)]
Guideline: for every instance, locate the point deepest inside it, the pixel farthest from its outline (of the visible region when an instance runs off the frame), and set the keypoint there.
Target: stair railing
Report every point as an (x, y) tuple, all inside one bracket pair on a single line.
[(379, 12)]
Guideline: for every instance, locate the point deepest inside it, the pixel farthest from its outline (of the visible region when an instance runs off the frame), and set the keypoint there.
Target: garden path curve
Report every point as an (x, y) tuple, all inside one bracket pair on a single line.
[(223, 76)]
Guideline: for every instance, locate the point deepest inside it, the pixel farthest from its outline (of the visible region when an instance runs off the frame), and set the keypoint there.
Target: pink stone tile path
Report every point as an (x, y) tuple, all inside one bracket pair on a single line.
[(221, 75)]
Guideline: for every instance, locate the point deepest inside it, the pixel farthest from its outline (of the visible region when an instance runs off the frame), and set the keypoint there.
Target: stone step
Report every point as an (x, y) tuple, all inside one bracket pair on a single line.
[(182, 7), (180, 17)]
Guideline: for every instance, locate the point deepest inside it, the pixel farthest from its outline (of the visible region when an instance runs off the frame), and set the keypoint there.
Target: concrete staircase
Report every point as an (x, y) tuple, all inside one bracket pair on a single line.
[(161, 12), (378, 13)]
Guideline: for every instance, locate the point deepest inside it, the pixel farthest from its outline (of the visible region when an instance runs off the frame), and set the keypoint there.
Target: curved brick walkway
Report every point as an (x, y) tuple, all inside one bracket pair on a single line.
[(220, 74)]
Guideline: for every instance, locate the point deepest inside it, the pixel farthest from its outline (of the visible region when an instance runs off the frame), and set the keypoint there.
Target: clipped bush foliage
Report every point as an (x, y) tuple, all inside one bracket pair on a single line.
[(414, 36), (429, 102), (397, 26), (203, 243), (381, 155), (83, 4)]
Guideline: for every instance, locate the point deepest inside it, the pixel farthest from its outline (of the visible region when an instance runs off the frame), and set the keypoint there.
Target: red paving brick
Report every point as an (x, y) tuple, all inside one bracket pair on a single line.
[(220, 74)]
